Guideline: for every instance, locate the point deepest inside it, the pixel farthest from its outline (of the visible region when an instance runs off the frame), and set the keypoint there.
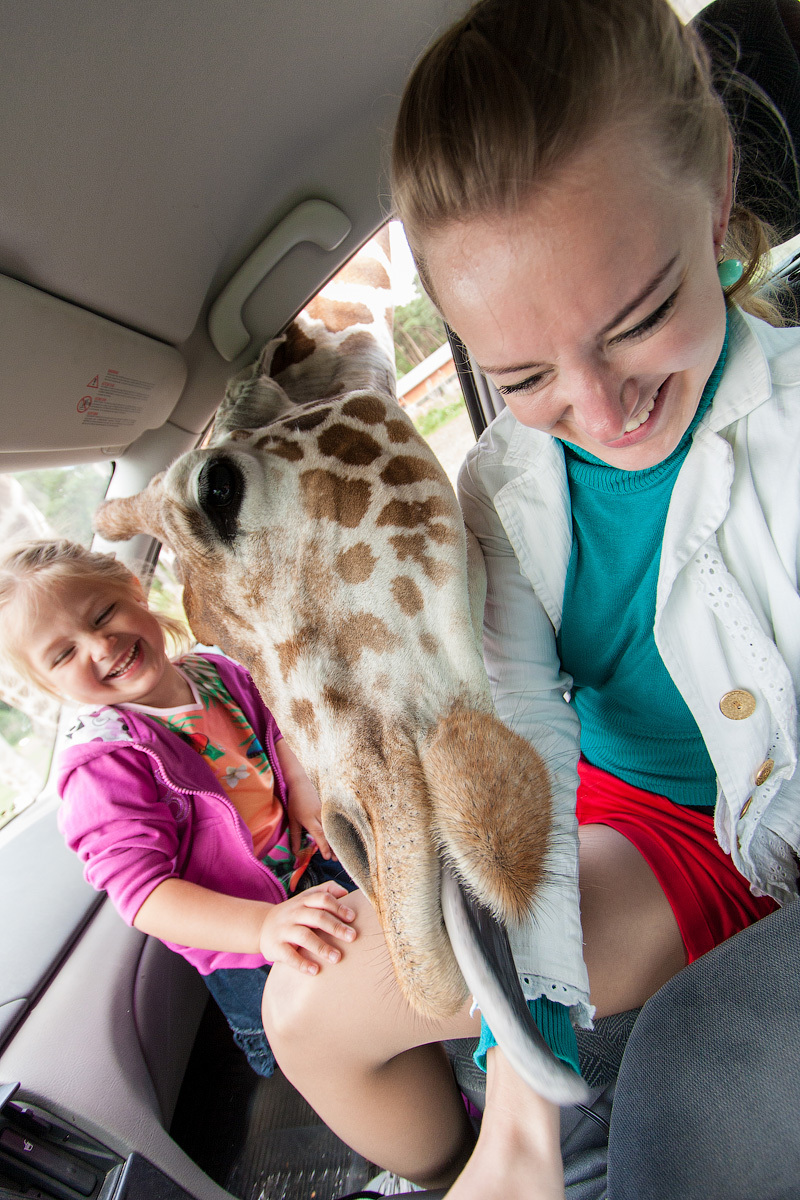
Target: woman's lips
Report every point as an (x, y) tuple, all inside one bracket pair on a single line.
[(643, 419)]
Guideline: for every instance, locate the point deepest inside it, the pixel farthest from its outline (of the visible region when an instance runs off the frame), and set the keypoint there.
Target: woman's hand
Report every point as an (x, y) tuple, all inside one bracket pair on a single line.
[(302, 802), (288, 932)]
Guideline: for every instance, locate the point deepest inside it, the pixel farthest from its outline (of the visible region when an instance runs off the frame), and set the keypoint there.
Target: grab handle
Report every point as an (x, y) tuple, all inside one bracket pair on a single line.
[(314, 221)]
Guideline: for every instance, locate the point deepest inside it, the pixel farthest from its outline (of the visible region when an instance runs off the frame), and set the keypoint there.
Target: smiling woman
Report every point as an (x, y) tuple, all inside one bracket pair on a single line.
[(595, 307)]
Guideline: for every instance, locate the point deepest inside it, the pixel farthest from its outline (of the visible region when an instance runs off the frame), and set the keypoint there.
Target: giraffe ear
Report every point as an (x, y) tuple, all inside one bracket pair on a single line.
[(252, 398), (121, 519)]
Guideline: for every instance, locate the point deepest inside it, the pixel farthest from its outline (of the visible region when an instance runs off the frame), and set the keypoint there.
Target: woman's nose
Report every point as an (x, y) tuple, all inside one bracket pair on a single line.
[(602, 405)]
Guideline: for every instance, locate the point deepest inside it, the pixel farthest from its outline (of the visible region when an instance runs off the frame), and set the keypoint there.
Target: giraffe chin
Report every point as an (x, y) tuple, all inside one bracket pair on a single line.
[(483, 953)]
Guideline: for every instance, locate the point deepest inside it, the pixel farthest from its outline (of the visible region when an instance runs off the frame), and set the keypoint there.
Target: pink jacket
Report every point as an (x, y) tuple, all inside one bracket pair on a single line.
[(140, 806)]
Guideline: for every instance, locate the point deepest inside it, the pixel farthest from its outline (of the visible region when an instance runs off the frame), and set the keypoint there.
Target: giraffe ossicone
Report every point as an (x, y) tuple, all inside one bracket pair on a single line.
[(321, 545)]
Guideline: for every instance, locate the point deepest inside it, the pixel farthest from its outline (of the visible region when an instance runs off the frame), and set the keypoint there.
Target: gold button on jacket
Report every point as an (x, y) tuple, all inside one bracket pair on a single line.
[(764, 771), (737, 705)]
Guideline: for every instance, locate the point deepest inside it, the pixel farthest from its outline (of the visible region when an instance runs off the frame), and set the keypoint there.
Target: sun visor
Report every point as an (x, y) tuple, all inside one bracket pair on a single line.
[(70, 380)]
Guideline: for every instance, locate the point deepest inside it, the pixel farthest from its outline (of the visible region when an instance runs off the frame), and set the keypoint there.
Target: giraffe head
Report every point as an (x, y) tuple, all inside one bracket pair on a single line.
[(321, 545)]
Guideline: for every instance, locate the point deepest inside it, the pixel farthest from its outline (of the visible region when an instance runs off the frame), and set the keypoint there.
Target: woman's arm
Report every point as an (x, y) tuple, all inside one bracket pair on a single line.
[(528, 689)]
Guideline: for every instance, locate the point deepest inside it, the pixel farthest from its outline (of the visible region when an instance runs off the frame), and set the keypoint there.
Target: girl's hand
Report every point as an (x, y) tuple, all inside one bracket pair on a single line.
[(305, 812), (288, 930), (302, 802)]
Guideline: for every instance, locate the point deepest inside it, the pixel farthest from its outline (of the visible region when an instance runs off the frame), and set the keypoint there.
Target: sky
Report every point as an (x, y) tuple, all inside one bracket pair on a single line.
[(403, 269)]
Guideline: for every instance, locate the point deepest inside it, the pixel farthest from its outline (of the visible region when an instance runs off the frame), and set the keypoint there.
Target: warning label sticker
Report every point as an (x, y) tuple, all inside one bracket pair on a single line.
[(118, 401)]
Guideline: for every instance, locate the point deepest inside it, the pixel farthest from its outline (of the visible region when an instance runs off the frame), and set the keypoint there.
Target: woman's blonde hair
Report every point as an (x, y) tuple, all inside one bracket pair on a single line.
[(30, 569), (506, 96)]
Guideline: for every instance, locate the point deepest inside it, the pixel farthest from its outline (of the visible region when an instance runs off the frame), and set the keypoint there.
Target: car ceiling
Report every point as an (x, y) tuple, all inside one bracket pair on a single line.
[(148, 147)]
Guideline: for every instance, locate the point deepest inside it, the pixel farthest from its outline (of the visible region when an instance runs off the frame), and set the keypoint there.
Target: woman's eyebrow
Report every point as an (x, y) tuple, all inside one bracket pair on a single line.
[(648, 290), (640, 299)]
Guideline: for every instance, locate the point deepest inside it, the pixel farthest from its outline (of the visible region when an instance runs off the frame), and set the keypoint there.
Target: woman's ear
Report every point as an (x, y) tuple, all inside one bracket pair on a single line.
[(722, 213)]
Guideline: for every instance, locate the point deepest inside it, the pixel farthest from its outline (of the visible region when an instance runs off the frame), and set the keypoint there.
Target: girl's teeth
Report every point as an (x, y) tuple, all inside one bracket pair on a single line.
[(124, 666), (641, 417)]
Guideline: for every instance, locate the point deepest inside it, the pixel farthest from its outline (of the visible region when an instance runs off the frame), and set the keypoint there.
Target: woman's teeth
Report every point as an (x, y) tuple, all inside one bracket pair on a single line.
[(128, 661), (642, 416)]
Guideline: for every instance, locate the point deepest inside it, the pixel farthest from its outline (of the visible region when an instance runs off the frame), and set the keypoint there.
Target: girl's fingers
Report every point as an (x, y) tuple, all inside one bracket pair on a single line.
[(293, 958), (318, 834), (325, 919), (327, 903), (320, 889), (305, 937)]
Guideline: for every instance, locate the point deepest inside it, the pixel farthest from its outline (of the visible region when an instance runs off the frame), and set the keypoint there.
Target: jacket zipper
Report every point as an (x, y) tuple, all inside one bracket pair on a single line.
[(165, 779)]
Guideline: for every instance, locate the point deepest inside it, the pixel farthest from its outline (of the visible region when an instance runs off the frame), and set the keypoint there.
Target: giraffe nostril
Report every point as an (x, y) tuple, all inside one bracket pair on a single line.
[(350, 847)]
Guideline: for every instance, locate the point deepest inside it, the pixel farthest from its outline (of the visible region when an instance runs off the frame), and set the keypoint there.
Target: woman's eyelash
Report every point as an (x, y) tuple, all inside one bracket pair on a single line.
[(104, 614), (508, 389), (649, 322)]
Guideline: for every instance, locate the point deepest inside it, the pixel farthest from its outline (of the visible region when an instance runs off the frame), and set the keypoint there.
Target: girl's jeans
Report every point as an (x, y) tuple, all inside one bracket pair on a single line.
[(238, 990)]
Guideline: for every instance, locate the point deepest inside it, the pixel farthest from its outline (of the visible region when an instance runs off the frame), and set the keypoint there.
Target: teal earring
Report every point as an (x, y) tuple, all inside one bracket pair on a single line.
[(730, 271)]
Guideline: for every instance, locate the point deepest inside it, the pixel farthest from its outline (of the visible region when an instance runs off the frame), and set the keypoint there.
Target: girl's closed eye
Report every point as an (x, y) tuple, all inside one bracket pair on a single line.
[(104, 615), (62, 656)]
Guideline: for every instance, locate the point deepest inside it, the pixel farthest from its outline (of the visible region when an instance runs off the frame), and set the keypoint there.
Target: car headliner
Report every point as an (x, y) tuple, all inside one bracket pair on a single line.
[(149, 146)]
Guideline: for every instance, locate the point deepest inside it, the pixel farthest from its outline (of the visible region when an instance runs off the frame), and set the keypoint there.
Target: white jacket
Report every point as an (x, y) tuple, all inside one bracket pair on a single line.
[(727, 620)]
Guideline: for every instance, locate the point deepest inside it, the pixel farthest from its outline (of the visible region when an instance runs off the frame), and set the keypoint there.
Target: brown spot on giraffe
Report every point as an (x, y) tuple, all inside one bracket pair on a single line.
[(429, 643), (338, 701), (306, 420), (353, 447), (356, 564), (413, 546), (408, 595), (327, 495), (368, 409), (408, 513), (338, 315), (364, 631), (305, 718), (240, 435), (399, 432), (360, 344), (405, 468), (291, 451), (295, 348), (289, 651), (442, 534), (371, 274)]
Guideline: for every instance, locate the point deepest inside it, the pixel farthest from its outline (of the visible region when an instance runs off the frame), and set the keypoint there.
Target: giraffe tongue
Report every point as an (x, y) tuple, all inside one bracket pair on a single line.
[(482, 951)]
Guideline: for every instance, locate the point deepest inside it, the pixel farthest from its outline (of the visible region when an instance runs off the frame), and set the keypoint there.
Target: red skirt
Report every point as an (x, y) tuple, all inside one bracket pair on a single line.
[(710, 899)]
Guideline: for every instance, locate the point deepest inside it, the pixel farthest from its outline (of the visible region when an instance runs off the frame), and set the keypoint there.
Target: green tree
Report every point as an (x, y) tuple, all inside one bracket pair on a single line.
[(418, 331)]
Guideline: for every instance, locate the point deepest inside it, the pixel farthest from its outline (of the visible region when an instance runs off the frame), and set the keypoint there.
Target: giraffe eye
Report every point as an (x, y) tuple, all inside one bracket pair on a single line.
[(220, 488)]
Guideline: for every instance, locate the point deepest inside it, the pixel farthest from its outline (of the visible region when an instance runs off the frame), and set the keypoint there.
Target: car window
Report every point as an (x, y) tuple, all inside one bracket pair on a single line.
[(427, 382), (56, 502)]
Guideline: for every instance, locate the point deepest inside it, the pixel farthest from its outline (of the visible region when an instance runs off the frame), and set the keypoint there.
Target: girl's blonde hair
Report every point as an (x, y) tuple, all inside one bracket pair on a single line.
[(29, 569), (507, 95)]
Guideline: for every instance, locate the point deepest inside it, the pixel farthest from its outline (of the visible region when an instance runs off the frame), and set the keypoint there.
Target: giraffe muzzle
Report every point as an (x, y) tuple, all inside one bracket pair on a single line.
[(483, 953)]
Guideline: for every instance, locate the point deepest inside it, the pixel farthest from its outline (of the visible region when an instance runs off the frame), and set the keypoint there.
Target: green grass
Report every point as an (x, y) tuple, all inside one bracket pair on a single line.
[(429, 422)]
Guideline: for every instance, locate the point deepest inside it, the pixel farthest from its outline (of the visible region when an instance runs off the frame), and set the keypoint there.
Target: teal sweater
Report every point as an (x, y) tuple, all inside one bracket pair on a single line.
[(634, 722)]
